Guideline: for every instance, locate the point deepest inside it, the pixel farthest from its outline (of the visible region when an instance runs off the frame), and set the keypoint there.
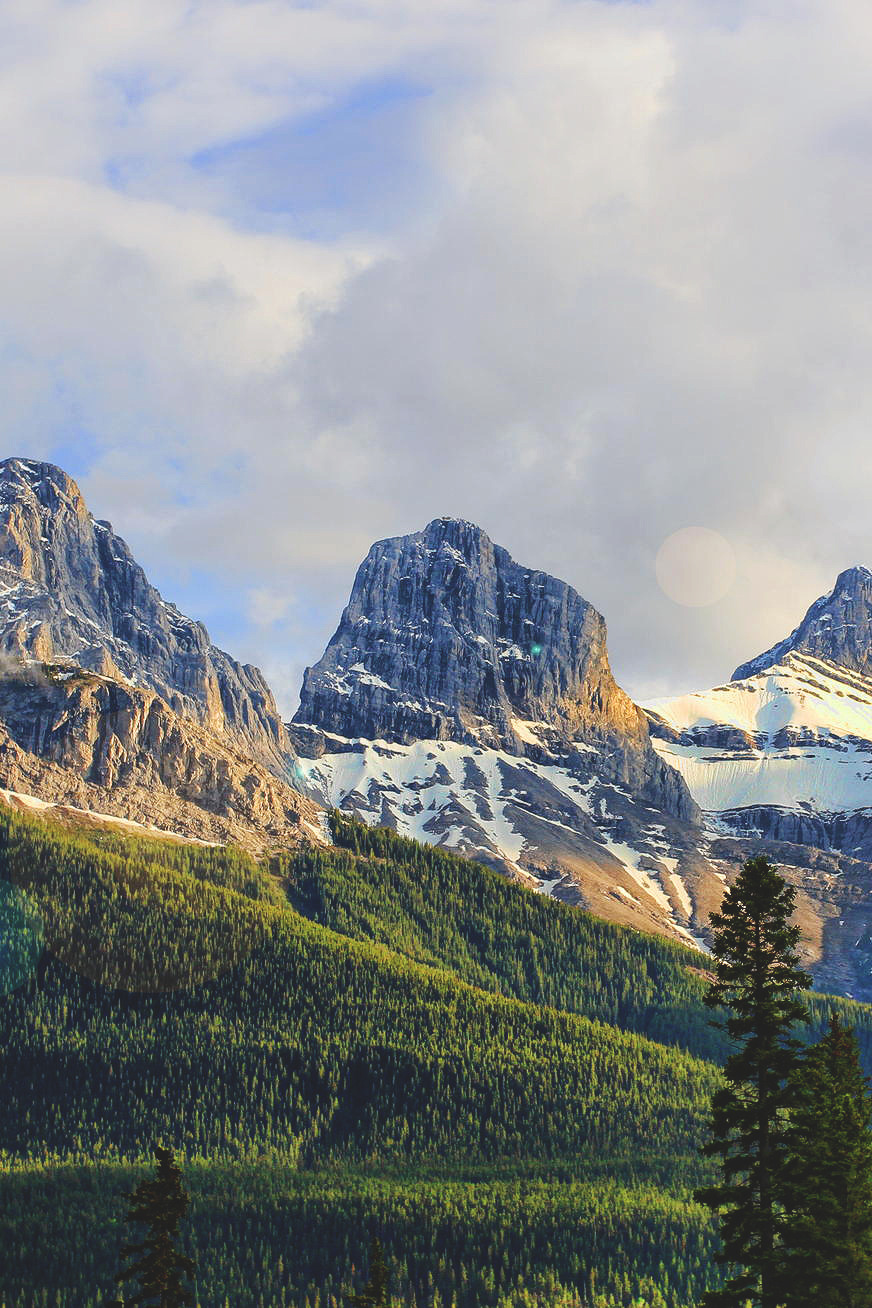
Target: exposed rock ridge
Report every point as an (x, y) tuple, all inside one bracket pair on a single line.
[(445, 637), (81, 738), (71, 590), (837, 628)]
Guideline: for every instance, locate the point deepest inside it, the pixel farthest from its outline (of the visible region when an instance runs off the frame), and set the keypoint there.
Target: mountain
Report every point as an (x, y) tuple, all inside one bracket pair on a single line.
[(112, 699), (464, 700), (72, 591), (468, 701), (781, 757), (784, 749), (837, 629), (791, 745)]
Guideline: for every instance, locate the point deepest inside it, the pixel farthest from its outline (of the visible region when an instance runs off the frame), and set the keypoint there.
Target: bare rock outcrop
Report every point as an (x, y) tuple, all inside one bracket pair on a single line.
[(837, 628), (80, 738), (445, 637), (71, 590)]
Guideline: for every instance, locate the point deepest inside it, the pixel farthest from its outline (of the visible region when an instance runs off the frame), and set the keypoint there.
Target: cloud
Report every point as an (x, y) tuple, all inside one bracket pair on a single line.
[(590, 274)]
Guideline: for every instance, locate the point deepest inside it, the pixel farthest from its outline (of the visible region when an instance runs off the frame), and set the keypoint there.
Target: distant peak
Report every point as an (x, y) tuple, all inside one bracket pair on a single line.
[(836, 628)]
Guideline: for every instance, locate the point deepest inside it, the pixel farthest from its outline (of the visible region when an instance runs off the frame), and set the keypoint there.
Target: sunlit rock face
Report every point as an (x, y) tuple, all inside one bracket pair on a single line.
[(72, 737), (112, 700), (70, 590), (445, 637), (467, 701)]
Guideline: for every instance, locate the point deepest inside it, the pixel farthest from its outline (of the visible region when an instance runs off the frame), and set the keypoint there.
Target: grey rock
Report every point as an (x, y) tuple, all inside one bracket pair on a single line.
[(445, 637), (70, 591), (845, 833)]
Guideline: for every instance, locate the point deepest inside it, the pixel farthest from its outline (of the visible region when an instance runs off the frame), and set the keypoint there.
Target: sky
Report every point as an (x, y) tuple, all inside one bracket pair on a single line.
[(281, 279)]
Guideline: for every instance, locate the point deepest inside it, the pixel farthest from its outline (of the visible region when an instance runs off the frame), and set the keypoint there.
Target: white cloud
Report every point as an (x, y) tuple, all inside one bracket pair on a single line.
[(636, 299)]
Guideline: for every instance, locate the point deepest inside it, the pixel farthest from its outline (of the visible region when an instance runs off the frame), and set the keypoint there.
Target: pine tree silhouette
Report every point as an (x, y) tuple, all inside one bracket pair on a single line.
[(158, 1204), (375, 1293), (757, 979)]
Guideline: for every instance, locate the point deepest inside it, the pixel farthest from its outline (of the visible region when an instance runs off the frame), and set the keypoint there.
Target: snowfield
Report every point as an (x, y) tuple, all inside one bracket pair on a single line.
[(797, 735)]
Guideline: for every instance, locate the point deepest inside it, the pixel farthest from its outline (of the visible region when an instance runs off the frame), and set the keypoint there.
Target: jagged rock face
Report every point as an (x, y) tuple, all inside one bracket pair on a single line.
[(71, 591), (80, 738), (837, 628), (445, 637), (468, 701), (844, 833)]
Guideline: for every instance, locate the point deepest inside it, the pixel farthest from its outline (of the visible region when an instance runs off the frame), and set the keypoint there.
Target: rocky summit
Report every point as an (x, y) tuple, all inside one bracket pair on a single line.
[(468, 701), (70, 589), (111, 698), (445, 637), (837, 629), (465, 700)]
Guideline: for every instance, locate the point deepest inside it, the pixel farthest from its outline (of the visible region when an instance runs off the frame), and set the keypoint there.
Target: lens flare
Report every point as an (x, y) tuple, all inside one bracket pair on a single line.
[(695, 567), (21, 937)]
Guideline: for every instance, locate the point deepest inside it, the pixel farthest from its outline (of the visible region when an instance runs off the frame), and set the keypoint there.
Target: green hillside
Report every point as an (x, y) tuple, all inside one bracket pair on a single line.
[(436, 908), (380, 1038)]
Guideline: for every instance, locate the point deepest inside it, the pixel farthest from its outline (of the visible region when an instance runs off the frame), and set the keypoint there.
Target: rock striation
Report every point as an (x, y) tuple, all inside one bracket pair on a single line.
[(445, 637), (70, 590), (111, 699)]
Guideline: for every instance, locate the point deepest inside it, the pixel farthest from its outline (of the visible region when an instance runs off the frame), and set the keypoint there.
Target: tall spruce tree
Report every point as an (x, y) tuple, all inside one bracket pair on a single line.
[(757, 979), (375, 1293), (828, 1191), (159, 1205)]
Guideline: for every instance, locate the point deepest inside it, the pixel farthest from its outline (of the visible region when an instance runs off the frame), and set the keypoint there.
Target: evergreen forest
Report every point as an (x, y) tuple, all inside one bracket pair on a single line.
[(375, 1040)]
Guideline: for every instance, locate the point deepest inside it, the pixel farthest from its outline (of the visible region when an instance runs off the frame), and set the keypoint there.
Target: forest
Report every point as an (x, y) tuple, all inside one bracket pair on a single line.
[(374, 1039)]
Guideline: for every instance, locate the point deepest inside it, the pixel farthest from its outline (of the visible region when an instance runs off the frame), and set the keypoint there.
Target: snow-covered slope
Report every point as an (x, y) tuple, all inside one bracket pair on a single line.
[(780, 761), (797, 735), (575, 837)]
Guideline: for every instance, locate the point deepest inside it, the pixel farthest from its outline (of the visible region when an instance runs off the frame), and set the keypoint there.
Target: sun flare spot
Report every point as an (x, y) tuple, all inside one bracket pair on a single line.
[(695, 567)]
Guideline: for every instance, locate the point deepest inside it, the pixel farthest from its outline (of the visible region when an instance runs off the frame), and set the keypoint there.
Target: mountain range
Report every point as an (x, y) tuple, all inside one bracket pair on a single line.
[(464, 700)]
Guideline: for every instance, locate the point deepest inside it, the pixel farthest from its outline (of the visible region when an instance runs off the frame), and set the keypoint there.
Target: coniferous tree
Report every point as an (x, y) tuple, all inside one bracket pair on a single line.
[(375, 1293), (158, 1204), (757, 977), (828, 1193)]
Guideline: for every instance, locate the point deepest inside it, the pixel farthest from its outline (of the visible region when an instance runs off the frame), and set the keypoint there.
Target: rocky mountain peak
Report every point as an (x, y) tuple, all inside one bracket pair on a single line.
[(837, 628), (71, 591), (44, 481), (446, 637)]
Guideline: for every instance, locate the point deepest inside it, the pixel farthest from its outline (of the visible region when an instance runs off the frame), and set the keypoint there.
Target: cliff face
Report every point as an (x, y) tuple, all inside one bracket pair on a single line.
[(468, 701), (445, 637), (76, 737), (111, 699), (70, 590)]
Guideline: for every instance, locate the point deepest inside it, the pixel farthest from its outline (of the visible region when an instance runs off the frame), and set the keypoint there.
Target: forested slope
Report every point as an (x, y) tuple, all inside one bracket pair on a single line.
[(377, 1038)]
